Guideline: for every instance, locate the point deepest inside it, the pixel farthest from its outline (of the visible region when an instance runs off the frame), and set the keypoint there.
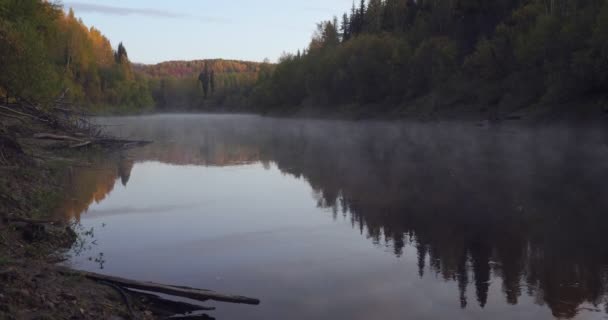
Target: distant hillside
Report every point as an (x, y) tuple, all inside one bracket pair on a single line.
[(190, 69), (174, 84)]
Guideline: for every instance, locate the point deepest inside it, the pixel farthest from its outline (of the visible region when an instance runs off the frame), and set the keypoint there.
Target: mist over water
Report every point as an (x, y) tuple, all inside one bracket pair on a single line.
[(346, 220)]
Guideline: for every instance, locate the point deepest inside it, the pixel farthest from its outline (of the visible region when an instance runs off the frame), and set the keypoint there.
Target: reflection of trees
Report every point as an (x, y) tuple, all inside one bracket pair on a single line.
[(526, 207), (88, 185), (523, 206)]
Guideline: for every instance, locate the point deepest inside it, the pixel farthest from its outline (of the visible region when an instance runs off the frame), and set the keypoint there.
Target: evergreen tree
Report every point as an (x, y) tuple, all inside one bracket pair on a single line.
[(354, 21), (373, 16), (361, 17), (121, 56), (345, 28)]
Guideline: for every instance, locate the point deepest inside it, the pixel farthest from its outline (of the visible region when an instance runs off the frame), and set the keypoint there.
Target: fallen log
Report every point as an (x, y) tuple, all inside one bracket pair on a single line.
[(185, 292)]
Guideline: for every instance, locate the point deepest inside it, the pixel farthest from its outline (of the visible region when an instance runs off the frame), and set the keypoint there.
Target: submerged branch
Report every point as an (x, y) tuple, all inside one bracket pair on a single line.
[(185, 292)]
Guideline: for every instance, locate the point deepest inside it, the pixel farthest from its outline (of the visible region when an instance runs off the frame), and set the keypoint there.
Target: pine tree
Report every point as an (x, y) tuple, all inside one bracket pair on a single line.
[(354, 21), (345, 28), (373, 16), (121, 56), (389, 16), (361, 18)]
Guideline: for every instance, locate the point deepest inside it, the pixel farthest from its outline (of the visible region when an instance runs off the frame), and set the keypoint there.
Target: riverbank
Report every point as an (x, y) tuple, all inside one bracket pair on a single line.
[(585, 111), (37, 152), (30, 242), (425, 109)]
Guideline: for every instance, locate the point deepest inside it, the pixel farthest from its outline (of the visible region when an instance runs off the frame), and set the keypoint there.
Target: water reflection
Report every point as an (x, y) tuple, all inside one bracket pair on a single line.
[(523, 208), (86, 186)]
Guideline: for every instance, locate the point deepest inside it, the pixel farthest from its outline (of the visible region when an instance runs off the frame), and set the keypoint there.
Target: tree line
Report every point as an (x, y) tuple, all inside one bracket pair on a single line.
[(428, 55), (383, 56)]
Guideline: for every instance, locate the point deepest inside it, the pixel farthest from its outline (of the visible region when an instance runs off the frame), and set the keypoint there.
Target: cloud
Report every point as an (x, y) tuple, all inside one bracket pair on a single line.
[(125, 11)]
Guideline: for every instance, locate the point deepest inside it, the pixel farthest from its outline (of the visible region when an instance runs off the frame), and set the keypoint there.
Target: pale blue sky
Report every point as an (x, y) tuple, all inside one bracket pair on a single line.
[(161, 30)]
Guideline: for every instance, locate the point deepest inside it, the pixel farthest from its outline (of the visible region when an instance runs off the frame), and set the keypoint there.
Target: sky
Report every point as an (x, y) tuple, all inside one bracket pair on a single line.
[(159, 30)]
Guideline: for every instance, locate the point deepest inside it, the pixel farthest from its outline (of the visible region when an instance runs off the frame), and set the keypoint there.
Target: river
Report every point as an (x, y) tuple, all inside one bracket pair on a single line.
[(354, 220)]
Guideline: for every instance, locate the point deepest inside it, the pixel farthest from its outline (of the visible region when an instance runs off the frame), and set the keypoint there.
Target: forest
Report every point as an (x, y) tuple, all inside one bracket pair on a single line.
[(447, 57), (393, 57), (46, 53)]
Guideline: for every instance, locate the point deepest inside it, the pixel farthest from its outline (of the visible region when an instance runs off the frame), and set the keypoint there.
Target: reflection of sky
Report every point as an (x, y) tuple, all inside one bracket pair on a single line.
[(258, 232), (220, 202)]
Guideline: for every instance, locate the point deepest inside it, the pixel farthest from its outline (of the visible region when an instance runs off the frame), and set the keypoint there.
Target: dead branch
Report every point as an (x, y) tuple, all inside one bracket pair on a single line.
[(30, 221), (12, 117), (50, 136), (81, 145), (19, 113), (185, 292)]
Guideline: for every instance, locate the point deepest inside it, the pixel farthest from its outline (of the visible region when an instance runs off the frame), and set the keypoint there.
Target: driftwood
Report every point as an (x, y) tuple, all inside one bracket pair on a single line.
[(19, 113), (80, 145), (12, 117), (184, 292), (105, 142), (50, 136)]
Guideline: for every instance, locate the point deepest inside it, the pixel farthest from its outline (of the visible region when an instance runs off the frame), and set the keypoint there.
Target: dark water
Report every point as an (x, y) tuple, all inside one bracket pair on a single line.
[(340, 220)]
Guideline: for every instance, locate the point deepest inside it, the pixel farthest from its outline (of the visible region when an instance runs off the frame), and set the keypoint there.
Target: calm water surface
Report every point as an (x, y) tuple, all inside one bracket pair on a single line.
[(341, 220)]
